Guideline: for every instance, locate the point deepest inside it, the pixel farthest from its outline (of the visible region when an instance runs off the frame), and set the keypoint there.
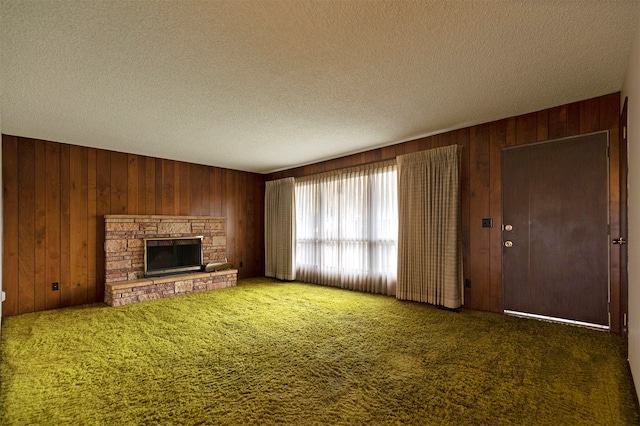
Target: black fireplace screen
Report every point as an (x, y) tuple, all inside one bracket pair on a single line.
[(163, 256)]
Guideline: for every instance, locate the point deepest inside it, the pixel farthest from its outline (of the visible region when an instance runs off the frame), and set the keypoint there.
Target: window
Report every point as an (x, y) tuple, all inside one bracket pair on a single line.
[(347, 229)]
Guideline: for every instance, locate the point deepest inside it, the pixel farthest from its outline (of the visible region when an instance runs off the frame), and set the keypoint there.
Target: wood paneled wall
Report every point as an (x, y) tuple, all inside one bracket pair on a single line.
[(55, 199), (481, 184)]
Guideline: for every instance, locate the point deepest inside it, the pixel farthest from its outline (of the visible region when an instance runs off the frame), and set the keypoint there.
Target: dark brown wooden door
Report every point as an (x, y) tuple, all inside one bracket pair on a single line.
[(555, 198)]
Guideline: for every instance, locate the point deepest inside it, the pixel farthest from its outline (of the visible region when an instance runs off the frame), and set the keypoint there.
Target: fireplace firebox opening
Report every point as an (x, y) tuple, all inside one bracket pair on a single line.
[(166, 256)]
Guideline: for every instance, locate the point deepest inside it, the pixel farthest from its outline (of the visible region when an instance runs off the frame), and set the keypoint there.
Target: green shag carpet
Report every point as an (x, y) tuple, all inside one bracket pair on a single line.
[(267, 352)]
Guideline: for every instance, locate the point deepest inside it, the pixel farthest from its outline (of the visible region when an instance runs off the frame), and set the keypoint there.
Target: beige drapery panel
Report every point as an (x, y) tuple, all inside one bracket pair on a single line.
[(280, 229), (429, 237)]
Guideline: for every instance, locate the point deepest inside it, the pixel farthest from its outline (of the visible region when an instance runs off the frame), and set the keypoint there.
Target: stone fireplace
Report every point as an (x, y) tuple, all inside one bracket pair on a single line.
[(125, 235)]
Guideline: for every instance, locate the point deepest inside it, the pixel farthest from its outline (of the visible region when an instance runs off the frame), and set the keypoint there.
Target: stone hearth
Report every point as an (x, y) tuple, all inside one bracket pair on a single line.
[(126, 292)]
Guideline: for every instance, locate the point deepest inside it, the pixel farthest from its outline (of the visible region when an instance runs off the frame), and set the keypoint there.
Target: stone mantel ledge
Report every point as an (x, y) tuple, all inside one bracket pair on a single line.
[(155, 217)]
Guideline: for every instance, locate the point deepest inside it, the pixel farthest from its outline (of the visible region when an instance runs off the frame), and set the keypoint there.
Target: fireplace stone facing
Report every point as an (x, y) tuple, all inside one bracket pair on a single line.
[(124, 256)]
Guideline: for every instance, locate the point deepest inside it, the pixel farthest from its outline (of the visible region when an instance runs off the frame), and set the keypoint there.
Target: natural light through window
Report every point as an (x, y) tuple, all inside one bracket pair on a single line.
[(347, 229)]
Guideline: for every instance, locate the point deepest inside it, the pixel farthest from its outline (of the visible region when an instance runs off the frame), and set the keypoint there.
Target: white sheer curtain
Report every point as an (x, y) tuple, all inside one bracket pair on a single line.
[(347, 228)]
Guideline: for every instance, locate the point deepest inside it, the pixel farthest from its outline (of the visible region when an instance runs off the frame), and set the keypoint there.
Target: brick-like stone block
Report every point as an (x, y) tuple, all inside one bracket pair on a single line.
[(182, 286), (174, 228), (124, 301), (118, 264), (219, 241), (121, 226), (135, 244), (112, 277), (148, 296), (115, 246)]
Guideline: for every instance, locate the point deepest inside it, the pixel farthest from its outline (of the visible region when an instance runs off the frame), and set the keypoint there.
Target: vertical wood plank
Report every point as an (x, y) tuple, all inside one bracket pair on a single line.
[(411, 147), (444, 139), (26, 229), (92, 224), (370, 156), (461, 137), (589, 115), (558, 122), (609, 107), (195, 196), (177, 194), (119, 183), (510, 135), (542, 123), (52, 202), (260, 214), (479, 208), (259, 234), (79, 224), (185, 192), (239, 234), (205, 204), (250, 225), (526, 129), (328, 166), (142, 185), (132, 184), (10, 262), (103, 207), (223, 192), (388, 152), (424, 144), (65, 227), (573, 119), (230, 213), (158, 187), (40, 285), (214, 188), (150, 186), (167, 187), (314, 168), (497, 137)]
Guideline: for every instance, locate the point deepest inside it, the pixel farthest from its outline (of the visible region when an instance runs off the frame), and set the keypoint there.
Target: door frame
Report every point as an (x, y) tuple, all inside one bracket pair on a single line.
[(624, 273)]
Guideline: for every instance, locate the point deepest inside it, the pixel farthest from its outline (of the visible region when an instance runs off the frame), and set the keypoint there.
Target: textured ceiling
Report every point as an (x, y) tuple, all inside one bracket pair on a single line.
[(267, 85)]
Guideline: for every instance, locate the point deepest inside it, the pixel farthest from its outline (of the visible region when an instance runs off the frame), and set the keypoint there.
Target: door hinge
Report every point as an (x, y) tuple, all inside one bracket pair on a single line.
[(624, 132), (624, 319)]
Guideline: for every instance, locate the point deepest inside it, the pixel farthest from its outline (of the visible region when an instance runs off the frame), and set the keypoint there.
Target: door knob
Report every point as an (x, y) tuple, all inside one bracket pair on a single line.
[(508, 243), (620, 241)]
